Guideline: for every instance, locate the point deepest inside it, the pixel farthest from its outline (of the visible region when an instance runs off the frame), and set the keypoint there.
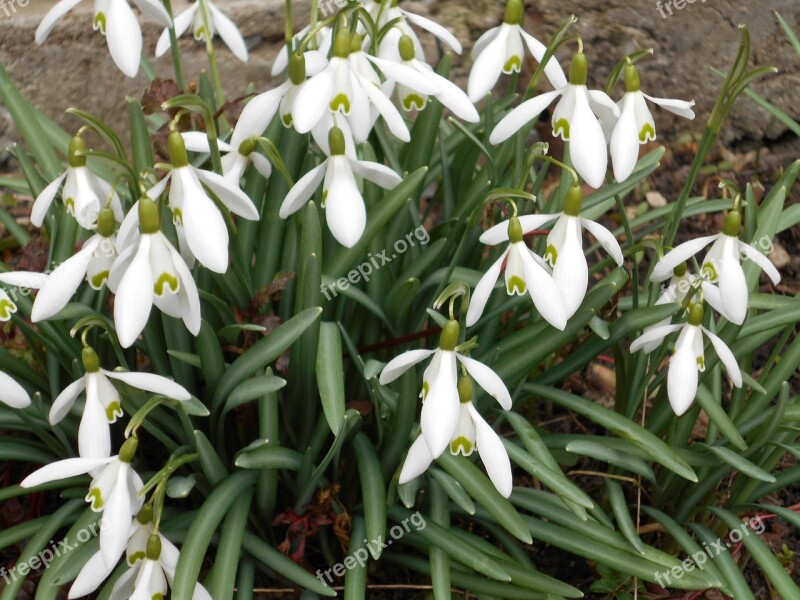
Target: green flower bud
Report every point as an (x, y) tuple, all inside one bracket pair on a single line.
[(574, 201), (449, 339), (128, 450), (515, 12), (149, 221), (153, 547), (247, 147), (465, 389), (145, 515), (76, 149), (695, 314), (733, 223), (578, 69), (356, 42), (514, 230), (297, 68), (341, 44), (406, 47), (632, 79), (106, 222), (177, 150), (336, 141), (680, 270), (91, 362)]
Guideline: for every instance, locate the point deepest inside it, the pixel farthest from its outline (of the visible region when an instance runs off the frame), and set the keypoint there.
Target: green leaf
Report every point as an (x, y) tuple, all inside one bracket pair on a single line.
[(223, 574), (373, 491), (614, 457), (740, 463), (260, 456), (620, 509), (330, 375)]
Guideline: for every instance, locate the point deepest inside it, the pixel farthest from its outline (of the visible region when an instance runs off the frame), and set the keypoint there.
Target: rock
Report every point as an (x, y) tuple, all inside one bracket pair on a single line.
[(655, 199), (779, 256)]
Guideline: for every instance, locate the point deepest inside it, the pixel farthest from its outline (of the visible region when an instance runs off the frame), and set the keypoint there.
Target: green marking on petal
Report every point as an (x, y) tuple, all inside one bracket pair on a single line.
[(135, 557), (177, 217), (287, 119), (113, 411), (165, 279), (701, 363), (414, 102), (324, 198), (551, 255), (518, 284), (461, 444), (158, 596), (95, 496), (6, 308), (426, 387), (98, 280), (100, 22), (647, 132), (561, 128), (200, 33), (341, 100), (70, 204), (513, 65), (709, 272)]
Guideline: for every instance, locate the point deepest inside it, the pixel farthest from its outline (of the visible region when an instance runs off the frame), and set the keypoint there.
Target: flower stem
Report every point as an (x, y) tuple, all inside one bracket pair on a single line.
[(173, 44), (212, 57)]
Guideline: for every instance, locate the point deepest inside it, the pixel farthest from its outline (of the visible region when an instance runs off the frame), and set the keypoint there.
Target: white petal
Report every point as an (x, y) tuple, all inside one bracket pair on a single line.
[(441, 406), (625, 140), (553, 70), (344, 206), (258, 114), (229, 33), (229, 194), (456, 100), (587, 143), (116, 518), (154, 11), (45, 199), (601, 103), (499, 233), (434, 28), (149, 382), (421, 82), (134, 296), (480, 296), (51, 18), (571, 273), (205, 229), (63, 469), (712, 296), (762, 261), (402, 363), (63, 282), (94, 435), (93, 573), (376, 173), (484, 40), (188, 294), (544, 290), (196, 141), (488, 65), (493, 454), (727, 358), (262, 164), (656, 334), (733, 289), (311, 100), (124, 37), (12, 393), (417, 461), (66, 400), (681, 108), (24, 279), (521, 115), (488, 380), (682, 375), (680, 254), (181, 23), (606, 239), (302, 190), (388, 111)]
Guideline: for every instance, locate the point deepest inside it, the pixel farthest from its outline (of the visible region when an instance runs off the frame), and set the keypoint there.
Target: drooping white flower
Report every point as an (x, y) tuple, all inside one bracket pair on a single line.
[(471, 433), (196, 17), (441, 408), (565, 246), (343, 203), (573, 120), (316, 58), (11, 393), (501, 50), (635, 125), (345, 87), (416, 77), (115, 20), (721, 265), (688, 358), (150, 271), (198, 220), (113, 491), (103, 405), (84, 192), (524, 272)]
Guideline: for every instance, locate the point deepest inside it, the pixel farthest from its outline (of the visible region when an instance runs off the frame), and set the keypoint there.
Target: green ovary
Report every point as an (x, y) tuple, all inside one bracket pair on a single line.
[(6, 308), (513, 64), (414, 102), (551, 255), (113, 411), (99, 279), (647, 131), (341, 101), (165, 279), (516, 283), (561, 128), (461, 444), (95, 496)]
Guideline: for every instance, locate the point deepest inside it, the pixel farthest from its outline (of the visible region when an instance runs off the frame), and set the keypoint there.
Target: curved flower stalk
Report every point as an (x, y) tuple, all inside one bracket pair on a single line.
[(84, 192), (573, 120), (472, 433), (115, 20), (441, 408), (414, 77), (501, 50), (688, 358), (151, 271), (564, 246), (13, 394), (721, 265), (345, 86), (635, 124), (103, 405), (524, 272), (218, 23), (198, 220), (343, 203), (114, 491), (317, 56)]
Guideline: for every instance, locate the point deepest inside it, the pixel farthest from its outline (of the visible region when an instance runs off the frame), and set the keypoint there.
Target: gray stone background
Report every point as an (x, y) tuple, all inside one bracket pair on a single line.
[(73, 67)]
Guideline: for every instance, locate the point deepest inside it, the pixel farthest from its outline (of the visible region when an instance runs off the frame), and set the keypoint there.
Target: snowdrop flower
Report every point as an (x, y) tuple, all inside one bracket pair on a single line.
[(115, 20), (13, 394), (103, 405), (240, 152), (412, 74), (343, 86), (343, 203), (565, 246), (84, 192), (198, 220), (573, 120), (322, 42), (150, 271), (472, 433), (635, 125), (113, 491), (525, 272), (441, 409), (196, 16), (500, 50), (721, 265), (688, 358)]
